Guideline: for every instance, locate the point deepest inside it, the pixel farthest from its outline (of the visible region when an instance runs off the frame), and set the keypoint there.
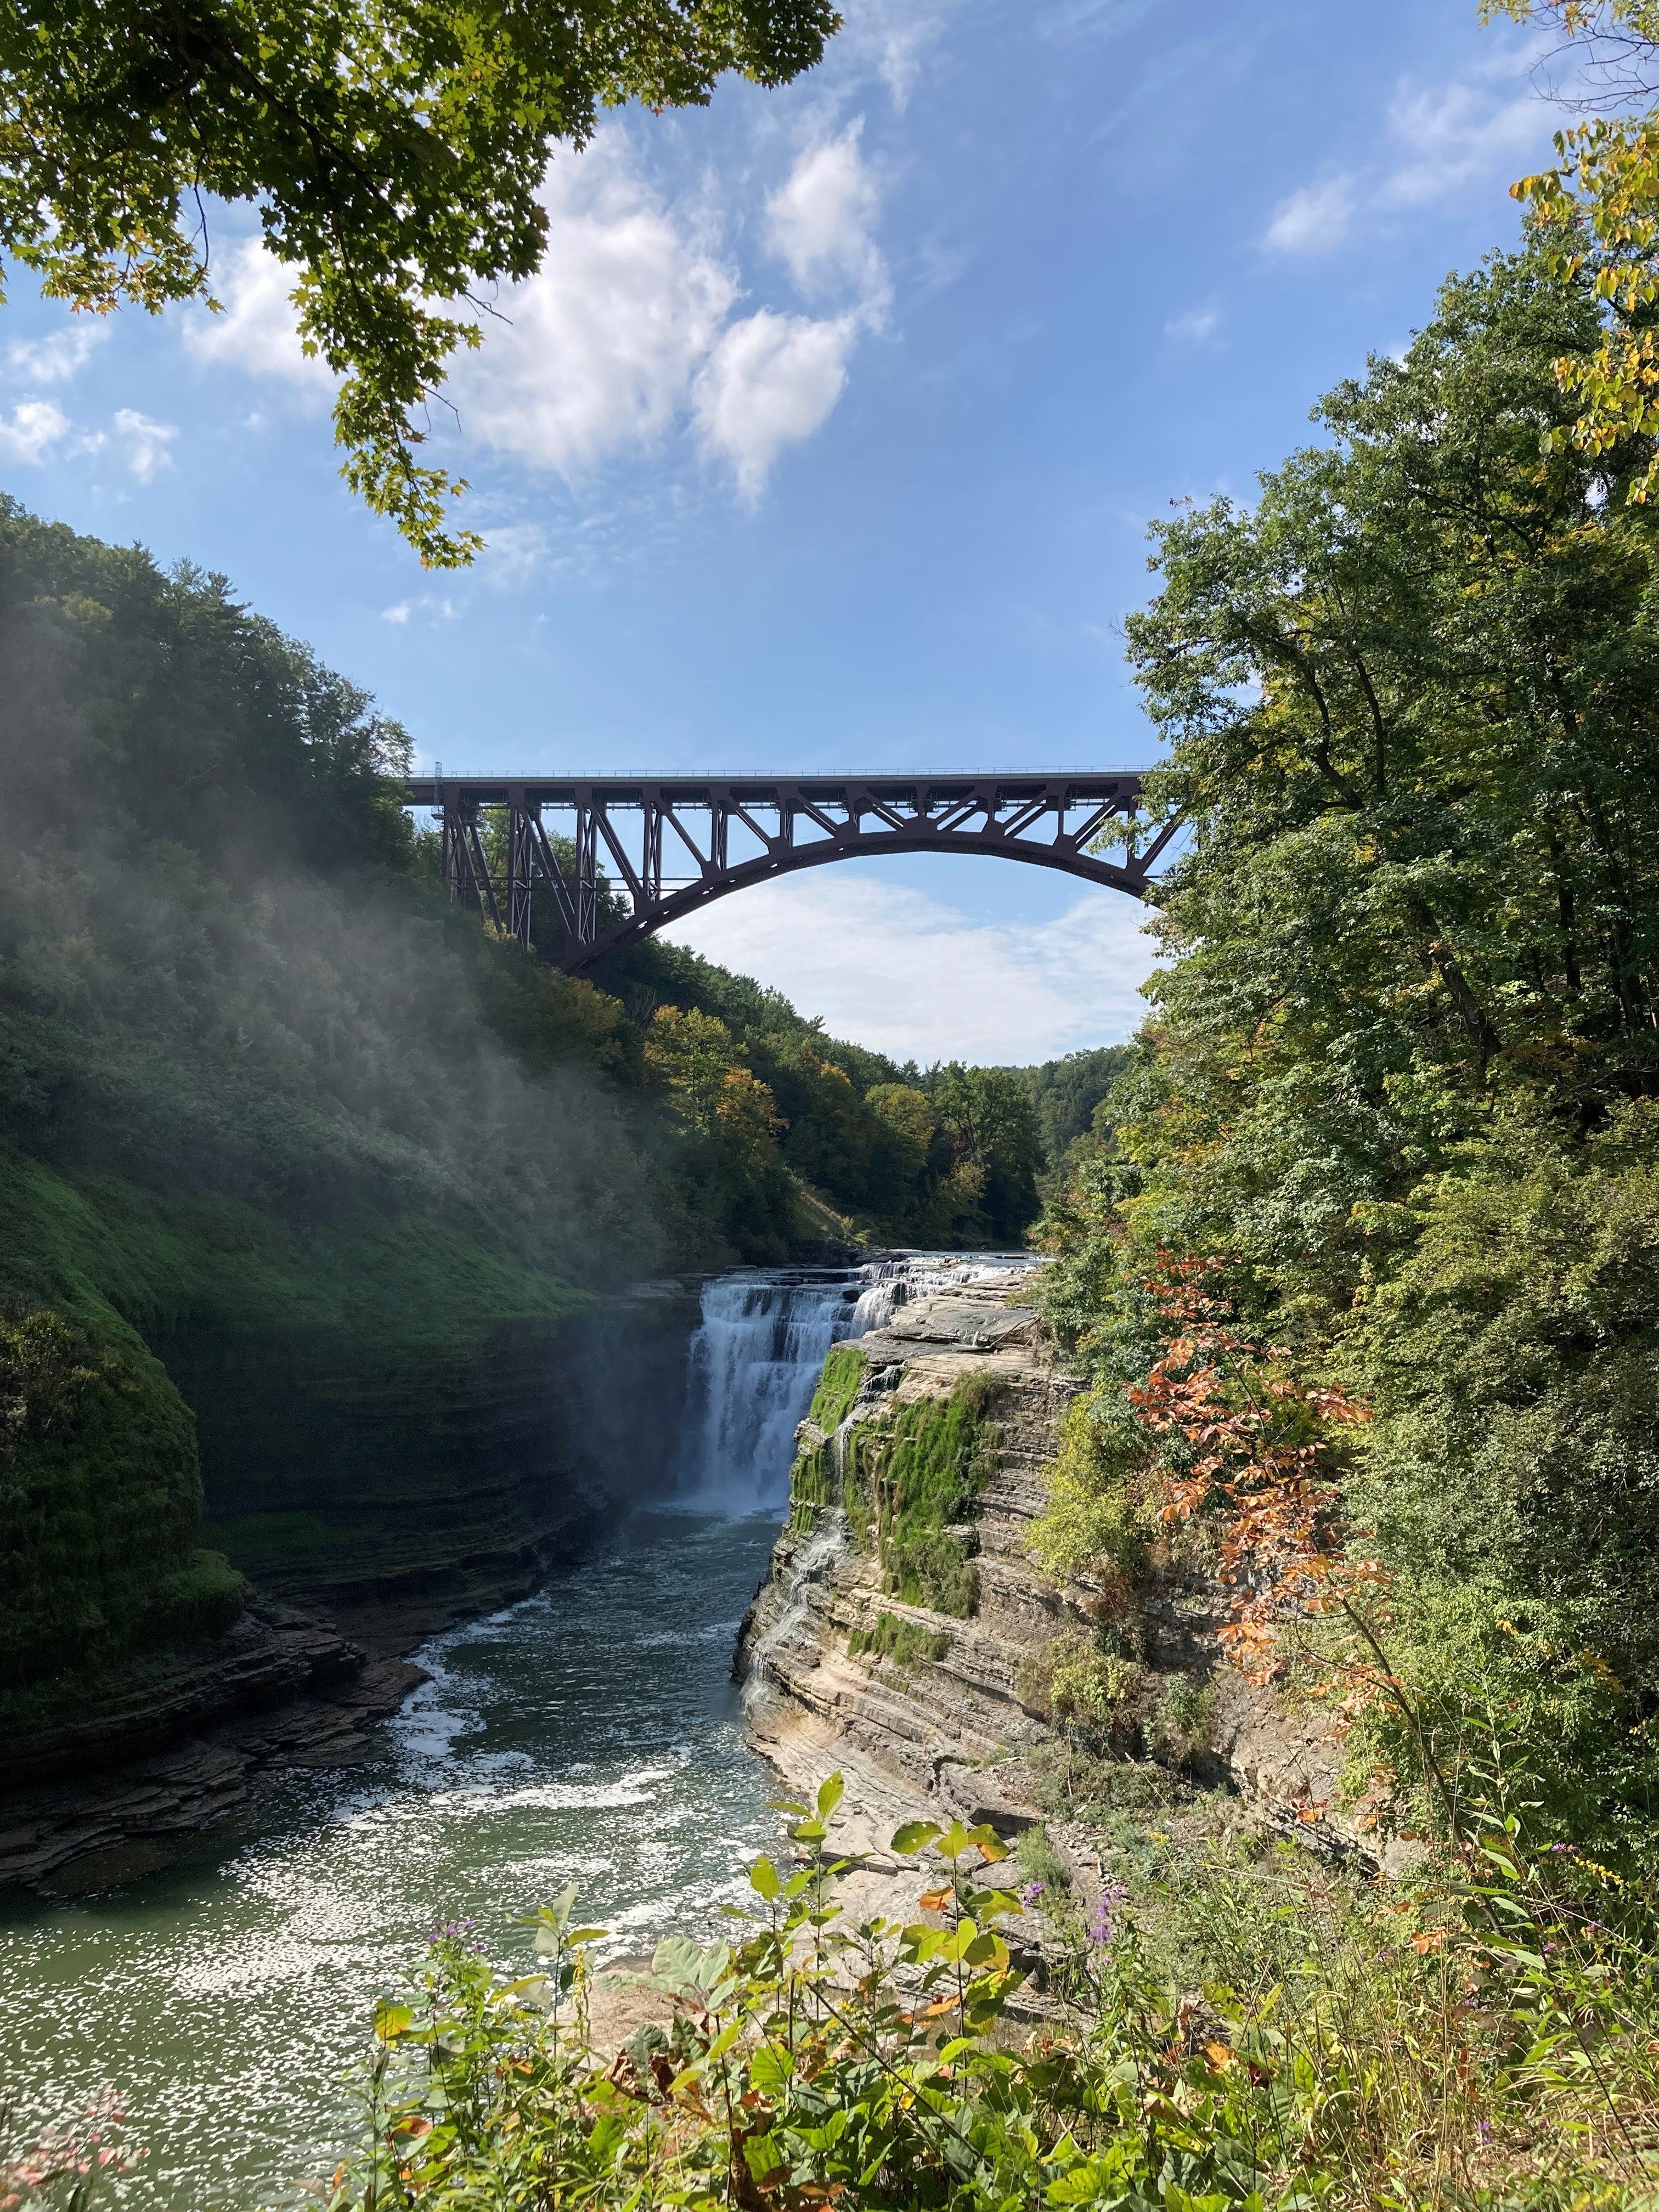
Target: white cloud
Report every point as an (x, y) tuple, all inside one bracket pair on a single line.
[(602, 342), (1075, 19), (1452, 135), (889, 38), (819, 222), (35, 425), (625, 334), (259, 331), (145, 442), (1195, 326), (772, 380), (904, 973), (1472, 134), (397, 614), (627, 328), (1313, 219), (58, 356), (512, 553)]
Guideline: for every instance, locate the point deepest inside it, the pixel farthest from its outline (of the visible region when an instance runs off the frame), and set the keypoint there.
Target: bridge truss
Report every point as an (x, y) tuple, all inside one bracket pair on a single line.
[(671, 845)]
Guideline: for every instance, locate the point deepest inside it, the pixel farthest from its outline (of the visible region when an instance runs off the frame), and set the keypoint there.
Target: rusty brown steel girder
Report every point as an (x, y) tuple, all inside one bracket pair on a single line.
[(636, 836)]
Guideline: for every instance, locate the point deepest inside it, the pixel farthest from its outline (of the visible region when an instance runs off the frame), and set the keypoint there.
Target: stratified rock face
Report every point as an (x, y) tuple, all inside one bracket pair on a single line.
[(934, 1713), (178, 1745), (399, 1497), (403, 1495), (929, 1729)]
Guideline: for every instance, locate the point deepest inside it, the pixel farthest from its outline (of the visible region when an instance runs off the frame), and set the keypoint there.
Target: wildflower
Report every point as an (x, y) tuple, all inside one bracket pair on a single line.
[(1103, 1919), (1032, 1891)]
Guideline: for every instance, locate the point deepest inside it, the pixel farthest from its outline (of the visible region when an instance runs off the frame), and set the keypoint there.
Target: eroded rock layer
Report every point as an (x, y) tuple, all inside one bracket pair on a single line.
[(945, 1709)]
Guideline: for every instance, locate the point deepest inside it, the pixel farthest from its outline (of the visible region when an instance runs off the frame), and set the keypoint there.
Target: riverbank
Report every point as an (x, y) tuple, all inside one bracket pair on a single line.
[(365, 1527), (591, 1734)]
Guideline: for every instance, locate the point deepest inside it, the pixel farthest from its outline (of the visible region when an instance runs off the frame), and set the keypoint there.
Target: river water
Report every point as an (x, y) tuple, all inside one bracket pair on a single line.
[(591, 1733)]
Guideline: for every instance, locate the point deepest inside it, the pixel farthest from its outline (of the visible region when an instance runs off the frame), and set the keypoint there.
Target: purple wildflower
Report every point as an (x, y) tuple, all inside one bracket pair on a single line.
[(1032, 1891), (1103, 1919)]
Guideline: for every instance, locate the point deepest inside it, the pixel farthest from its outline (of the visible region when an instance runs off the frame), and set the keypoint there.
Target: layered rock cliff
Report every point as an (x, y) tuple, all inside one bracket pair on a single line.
[(907, 1635), (371, 1502)]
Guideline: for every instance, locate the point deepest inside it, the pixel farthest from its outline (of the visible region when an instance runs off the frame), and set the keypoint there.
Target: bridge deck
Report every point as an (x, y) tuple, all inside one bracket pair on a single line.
[(1081, 785)]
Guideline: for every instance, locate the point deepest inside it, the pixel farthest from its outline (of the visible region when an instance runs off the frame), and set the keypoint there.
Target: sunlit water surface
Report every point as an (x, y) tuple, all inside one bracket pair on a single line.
[(592, 1734)]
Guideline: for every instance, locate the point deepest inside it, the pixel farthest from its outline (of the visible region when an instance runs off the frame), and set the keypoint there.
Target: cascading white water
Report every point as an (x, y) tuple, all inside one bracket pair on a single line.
[(756, 1357), (755, 1362)]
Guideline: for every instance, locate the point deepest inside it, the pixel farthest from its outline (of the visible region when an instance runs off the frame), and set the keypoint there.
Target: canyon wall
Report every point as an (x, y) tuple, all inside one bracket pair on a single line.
[(371, 1502), (950, 1700)]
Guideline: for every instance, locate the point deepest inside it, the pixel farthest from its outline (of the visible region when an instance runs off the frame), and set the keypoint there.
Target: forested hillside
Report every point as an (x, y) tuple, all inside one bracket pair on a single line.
[(273, 1109), (1383, 1204)]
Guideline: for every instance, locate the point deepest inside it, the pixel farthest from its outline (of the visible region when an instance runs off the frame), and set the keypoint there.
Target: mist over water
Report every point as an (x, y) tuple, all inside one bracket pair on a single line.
[(591, 1733)]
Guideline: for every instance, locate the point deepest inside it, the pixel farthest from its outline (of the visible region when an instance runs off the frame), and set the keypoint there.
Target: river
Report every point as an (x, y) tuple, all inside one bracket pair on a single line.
[(591, 1734)]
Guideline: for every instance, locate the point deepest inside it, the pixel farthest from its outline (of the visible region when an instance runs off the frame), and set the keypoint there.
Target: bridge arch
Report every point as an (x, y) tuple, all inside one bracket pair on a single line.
[(673, 846)]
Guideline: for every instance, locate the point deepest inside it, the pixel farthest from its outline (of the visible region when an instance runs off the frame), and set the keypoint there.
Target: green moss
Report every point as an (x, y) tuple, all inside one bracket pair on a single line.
[(904, 1642), (937, 1458), (102, 1504), (838, 1386), (905, 1480), (814, 1480)]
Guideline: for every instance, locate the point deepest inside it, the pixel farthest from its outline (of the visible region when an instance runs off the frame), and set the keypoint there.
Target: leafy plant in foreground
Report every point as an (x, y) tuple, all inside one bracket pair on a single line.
[(1345, 2047)]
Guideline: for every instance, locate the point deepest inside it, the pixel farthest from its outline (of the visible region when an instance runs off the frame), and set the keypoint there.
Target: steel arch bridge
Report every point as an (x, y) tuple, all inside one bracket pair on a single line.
[(673, 844)]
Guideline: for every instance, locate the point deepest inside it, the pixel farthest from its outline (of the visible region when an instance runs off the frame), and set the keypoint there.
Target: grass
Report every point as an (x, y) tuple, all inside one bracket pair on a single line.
[(906, 1642)]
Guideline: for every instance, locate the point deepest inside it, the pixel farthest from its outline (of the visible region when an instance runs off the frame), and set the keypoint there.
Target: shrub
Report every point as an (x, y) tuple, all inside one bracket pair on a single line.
[(1236, 2034)]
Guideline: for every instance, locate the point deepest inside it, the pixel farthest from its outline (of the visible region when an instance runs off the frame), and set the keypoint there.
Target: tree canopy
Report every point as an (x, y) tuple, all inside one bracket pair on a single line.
[(1598, 213), (1391, 1131), (394, 153)]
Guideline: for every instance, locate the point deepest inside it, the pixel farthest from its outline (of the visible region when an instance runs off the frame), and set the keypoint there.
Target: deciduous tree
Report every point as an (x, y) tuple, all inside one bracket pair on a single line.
[(394, 150)]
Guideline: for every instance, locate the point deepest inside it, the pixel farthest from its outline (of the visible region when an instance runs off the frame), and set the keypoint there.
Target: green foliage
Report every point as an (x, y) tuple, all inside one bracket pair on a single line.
[(1094, 1522), (1239, 2031), (100, 1502), (904, 1642), (1098, 1694), (988, 1115), (1413, 950), (394, 155), (1069, 1097)]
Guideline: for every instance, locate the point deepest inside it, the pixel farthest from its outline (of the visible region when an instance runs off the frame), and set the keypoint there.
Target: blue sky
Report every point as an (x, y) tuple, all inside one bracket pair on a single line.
[(829, 433)]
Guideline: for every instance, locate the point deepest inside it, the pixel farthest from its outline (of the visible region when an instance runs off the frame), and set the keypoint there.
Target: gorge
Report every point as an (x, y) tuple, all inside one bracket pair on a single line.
[(589, 1732)]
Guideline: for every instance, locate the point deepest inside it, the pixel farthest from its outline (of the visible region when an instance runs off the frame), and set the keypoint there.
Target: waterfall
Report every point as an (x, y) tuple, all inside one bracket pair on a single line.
[(755, 1362), (811, 1565), (764, 1335)]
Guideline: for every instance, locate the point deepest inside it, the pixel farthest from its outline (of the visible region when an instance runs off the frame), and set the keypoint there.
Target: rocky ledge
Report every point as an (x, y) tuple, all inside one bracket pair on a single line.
[(180, 1747), (943, 1721)]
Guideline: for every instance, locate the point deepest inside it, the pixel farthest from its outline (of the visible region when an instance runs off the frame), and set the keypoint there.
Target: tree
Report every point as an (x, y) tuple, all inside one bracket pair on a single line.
[(1598, 213), (394, 152), (1401, 1073), (989, 1116)]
